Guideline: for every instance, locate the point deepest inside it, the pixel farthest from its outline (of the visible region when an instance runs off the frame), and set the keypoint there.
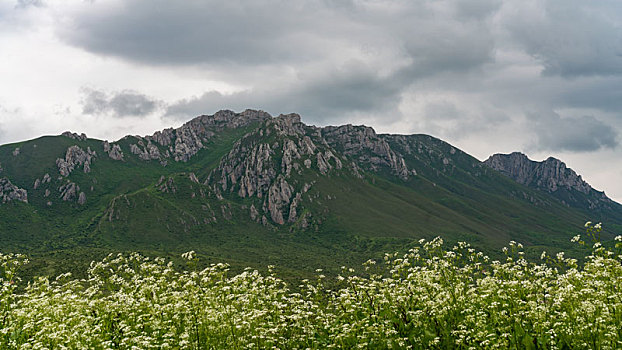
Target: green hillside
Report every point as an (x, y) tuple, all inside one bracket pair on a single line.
[(252, 190)]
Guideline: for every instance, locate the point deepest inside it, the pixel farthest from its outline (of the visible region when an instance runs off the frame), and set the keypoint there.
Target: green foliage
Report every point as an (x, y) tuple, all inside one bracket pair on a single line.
[(430, 297)]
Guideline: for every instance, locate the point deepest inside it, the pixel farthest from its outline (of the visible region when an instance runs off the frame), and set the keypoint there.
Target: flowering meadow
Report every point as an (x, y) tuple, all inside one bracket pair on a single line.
[(433, 297)]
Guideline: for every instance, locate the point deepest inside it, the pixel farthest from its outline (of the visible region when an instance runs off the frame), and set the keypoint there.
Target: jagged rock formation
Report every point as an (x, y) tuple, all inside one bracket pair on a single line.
[(114, 152), (166, 186), (366, 148), (75, 156), (550, 175), (264, 170), (10, 192), (46, 179), (73, 135), (184, 142), (145, 152), (274, 165), (69, 191)]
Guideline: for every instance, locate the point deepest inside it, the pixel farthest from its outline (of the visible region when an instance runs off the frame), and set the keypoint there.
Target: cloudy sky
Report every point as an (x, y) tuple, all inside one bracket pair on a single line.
[(539, 76)]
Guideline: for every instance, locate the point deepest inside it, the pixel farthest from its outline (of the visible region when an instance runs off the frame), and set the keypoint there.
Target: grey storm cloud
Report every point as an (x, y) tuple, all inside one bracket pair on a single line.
[(572, 37), (331, 59), (191, 32), (577, 134), (125, 103), (252, 32), (322, 96)]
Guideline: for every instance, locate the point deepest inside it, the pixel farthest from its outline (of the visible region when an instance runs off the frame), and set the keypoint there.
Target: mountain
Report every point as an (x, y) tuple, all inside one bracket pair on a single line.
[(252, 189), (552, 176)]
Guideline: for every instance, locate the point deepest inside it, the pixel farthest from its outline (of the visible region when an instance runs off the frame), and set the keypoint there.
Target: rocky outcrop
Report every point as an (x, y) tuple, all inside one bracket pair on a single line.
[(69, 191), (550, 174), (145, 152), (366, 148), (184, 142), (75, 156), (10, 192), (113, 151), (287, 124), (16, 152), (81, 198), (73, 135), (193, 178), (166, 185), (279, 196), (46, 179)]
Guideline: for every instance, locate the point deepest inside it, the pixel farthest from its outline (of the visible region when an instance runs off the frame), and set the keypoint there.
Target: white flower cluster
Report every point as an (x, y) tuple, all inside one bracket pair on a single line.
[(431, 297)]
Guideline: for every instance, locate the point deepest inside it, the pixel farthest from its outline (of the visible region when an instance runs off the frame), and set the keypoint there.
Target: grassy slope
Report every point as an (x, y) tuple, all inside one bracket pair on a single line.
[(354, 218)]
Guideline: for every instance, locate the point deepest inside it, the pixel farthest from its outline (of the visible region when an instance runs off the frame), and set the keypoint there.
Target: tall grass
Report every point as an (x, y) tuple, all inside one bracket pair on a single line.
[(431, 297)]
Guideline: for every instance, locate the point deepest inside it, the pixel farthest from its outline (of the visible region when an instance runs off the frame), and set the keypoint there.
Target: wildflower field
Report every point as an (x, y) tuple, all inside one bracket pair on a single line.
[(431, 297)]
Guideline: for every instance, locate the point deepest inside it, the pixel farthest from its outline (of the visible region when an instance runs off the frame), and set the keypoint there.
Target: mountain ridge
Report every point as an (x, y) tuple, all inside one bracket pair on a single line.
[(551, 175), (255, 189)]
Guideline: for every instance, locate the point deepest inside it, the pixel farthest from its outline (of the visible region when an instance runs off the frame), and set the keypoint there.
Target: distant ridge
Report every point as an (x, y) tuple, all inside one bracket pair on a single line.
[(551, 175)]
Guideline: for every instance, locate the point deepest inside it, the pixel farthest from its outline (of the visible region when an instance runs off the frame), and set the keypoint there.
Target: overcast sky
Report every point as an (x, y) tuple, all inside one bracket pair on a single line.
[(538, 76)]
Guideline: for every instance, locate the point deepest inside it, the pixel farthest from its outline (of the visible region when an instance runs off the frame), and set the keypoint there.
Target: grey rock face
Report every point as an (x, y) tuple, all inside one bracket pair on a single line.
[(16, 152), (279, 196), (145, 152), (193, 178), (115, 153), (69, 191), (550, 174), (163, 137), (187, 140), (73, 135), (81, 198), (75, 156), (287, 124), (368, 149), (10, 192), (256, 167)]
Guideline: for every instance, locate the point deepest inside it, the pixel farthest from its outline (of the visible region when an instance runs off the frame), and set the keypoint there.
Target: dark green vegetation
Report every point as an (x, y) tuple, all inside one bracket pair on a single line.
[(370, 194)]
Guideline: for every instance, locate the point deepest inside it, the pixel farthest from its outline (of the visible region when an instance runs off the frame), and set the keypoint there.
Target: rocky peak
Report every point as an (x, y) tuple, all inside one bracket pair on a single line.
[(288, 124), (73, 135), (113, 151), (550, 175), (184, 142), (10, 192), (366, 148)]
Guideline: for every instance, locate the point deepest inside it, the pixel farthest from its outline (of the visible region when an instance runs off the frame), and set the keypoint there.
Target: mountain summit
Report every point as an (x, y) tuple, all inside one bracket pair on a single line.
[(253, 189), (550, 175)]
